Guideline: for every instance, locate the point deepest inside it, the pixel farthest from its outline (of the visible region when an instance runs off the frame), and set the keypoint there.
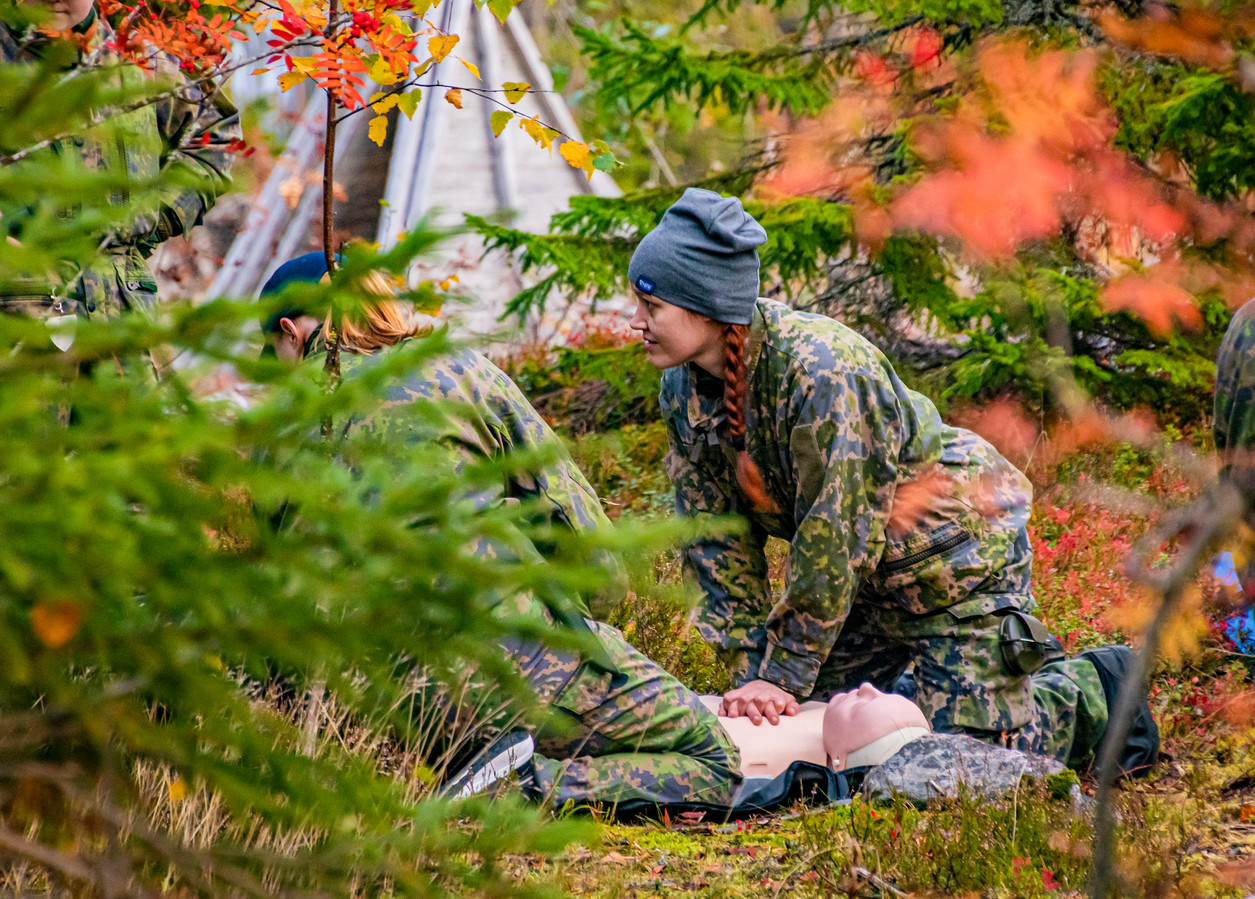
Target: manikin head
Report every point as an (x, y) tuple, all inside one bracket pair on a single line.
[(866, 726)]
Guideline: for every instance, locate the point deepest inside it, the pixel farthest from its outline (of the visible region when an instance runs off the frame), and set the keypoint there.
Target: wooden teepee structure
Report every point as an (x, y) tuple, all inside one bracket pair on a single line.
[(442, 163)]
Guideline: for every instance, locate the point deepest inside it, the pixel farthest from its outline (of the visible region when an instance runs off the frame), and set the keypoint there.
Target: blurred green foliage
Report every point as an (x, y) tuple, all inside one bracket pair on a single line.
[(169, 561)]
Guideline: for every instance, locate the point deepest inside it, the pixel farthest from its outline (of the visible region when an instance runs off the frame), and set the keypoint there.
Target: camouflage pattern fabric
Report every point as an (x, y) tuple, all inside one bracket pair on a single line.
[(637, 734), (620, 729), (949, 766), (1234, 421), (182, 135), (479, 413), (838, 438)]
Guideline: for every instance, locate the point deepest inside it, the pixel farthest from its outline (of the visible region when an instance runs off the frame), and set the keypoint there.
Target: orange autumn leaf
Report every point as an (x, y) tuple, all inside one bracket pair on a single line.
[(454, 96), (56, 623), (1192, 33), (1001, 193), (1160, 304), (913, 499)]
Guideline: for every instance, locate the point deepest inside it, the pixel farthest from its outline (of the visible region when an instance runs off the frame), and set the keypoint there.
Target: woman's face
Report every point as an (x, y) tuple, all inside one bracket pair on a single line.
[(675, 336)]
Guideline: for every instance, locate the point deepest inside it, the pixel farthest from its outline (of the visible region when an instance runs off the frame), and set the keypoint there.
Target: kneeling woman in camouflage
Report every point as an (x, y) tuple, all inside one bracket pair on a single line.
[(622, 728), (907, 536)]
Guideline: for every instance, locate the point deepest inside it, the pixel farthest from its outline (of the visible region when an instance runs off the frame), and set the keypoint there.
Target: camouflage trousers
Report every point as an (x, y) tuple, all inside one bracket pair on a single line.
[(961, 684), (638, 734)]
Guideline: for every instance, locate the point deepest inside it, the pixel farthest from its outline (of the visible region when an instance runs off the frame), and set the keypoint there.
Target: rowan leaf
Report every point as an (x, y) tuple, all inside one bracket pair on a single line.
[(289, 80), (378, 129), (408, 102), (498, 120), (262, 71), (441, 46), (472, 68), (514, 90), (454, 95)]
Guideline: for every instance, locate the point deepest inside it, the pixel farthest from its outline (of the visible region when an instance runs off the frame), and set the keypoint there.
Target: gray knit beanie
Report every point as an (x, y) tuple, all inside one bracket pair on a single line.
[(702, 257)]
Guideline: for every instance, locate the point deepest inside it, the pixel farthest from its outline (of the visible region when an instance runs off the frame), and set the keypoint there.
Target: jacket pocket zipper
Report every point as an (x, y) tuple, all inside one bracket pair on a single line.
[(927, 553)]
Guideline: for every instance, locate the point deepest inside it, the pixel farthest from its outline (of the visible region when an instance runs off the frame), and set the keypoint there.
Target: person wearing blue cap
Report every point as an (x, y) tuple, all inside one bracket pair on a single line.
[(631, 731), (907, 537)]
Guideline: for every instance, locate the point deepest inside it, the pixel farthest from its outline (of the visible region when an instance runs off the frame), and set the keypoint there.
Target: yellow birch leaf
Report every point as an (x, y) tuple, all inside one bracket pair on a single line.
[(177, 789), (420, 7), (303, 64), (471, 67), (382, 102), (56, 623), (289, 80), (498, 120), (454, 96), (441, 46), (408, 102), (378, 129), (260, 25), (514, 90), (539, 133), (382, 73), (578, 156)]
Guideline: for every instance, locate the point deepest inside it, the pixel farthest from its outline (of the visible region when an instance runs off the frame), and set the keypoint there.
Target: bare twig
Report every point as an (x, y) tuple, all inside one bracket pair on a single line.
[(1200, 523)]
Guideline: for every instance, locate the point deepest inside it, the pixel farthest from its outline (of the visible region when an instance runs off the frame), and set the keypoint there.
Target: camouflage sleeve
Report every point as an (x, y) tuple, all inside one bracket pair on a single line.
[(846, 436), (196, 128), (1235, 385), (730, 569)]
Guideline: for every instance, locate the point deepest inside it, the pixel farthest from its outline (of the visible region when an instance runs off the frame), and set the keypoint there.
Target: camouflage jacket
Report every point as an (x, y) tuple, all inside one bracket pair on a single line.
[(481, 414), (1234, 421), (836, 435), (182, 137)]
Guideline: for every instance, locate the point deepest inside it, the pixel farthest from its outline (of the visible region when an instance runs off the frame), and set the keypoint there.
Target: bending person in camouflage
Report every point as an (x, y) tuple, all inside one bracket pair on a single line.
[(181, 138), (908, 540), (622, 728), (1234, 421)]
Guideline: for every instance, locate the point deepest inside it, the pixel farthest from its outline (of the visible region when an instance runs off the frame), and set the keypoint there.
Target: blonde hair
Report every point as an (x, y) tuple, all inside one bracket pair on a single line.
[(375, 324)]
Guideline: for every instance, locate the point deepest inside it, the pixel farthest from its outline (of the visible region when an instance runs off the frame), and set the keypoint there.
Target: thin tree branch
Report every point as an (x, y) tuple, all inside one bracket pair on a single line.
[(1201, 522), (116, 111)]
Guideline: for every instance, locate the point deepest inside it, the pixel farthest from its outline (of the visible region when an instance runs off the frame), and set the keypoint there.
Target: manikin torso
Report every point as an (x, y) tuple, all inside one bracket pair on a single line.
[(861, 727)]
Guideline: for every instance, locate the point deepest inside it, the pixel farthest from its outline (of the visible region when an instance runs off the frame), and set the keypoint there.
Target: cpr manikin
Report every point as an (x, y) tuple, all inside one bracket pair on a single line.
[(861, 727)]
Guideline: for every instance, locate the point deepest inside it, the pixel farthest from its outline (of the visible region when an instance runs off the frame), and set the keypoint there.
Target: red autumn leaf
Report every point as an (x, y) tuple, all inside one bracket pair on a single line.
[(925, 48), (872, 68), (1048, 879)]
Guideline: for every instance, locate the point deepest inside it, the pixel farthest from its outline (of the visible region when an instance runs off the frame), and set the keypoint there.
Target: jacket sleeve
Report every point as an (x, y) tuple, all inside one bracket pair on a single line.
[(196, 128), (729, 567), (846, 437)]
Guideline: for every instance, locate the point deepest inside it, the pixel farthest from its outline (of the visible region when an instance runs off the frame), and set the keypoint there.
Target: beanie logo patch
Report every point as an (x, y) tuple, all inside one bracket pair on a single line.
[(644, 285)]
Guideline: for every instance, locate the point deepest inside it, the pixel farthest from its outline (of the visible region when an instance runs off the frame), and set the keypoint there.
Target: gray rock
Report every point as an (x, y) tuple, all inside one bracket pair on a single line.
[(943, 765)]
